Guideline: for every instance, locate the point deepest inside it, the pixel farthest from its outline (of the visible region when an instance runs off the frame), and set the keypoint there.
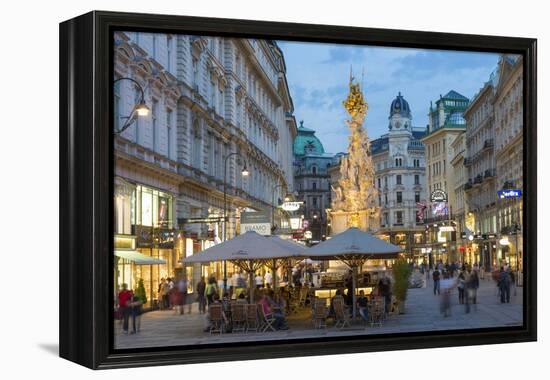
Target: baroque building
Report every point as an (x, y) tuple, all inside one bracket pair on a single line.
[(445, 122), (480, 188), (399, 162), (209, 97), (508, 120), (312, 180)]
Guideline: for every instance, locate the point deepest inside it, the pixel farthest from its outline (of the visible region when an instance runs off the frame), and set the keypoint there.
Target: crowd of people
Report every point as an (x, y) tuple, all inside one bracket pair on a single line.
[(466, 279)]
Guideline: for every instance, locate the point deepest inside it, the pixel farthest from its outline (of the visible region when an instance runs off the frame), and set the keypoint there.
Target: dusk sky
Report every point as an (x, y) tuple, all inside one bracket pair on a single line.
[(318, 76)]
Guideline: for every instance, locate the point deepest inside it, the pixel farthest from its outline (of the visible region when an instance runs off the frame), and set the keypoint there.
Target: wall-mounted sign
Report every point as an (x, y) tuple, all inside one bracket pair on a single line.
[(438, 195), (305, 223), (259, 221), (295, 223), (182, 221), (446, 228), (439, 209), (291, 206), (510, 193), (308, 235)]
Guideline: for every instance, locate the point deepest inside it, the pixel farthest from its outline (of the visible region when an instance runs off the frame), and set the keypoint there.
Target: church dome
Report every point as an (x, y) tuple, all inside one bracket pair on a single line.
[(307, 143), (400, 106)]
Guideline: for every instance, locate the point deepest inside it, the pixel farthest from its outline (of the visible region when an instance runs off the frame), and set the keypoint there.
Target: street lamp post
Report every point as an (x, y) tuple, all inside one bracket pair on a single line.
[(273, 203), (140, 108), (244, 173)]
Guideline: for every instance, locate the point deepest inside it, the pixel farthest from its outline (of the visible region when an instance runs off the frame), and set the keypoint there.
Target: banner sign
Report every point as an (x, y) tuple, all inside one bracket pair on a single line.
[(510, 193), (182, 221), (259, 222)]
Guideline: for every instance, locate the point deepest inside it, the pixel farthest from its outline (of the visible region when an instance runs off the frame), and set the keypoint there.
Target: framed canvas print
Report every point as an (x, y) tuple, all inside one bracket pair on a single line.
[(236, 190)]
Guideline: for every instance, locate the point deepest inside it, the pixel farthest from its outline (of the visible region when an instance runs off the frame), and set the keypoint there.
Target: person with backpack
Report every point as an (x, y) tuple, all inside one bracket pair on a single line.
[(436, 276)]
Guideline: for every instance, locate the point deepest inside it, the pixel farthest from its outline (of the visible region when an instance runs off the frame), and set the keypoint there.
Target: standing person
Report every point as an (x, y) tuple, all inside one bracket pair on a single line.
[(210, 290), (233, 285), (124, 299), (504, 285), (136, 311), (436, 276), (268, 279), (182, 290), (259, 280), (160, 297), (461, 284), (165, 294), (385, 291), (201, 295)]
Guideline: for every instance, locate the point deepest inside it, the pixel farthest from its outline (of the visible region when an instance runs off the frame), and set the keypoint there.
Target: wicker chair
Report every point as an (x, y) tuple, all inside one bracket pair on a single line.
[(252, 322), (238, 317), (341, 315), (376, 311), (320, 313), (216, 318)]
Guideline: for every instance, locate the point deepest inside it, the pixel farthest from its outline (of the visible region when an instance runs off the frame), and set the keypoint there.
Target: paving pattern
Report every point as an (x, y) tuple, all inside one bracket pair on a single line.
[(165, 328)]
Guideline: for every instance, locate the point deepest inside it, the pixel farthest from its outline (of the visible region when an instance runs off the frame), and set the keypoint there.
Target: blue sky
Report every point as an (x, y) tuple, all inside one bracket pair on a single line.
[(318, 76)]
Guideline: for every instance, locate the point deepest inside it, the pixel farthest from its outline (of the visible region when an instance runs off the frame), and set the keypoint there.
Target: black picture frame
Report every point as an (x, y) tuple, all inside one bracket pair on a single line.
[(86, 188)]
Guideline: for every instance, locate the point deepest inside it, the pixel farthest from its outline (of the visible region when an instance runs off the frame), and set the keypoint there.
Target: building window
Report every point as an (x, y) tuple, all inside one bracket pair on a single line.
[(398, 179), (398, 217), (169, 52), (169, 133), (399, 196), (417, 196), (314, 185), (154, 123), (379, 183), (314, 202), (314, 170), (196, 147), (386, 181), (116, 106), (416, 179), (386, 199)]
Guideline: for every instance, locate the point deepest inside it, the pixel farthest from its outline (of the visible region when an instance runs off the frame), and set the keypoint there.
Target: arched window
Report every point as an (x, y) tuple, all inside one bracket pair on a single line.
[(314, 169)]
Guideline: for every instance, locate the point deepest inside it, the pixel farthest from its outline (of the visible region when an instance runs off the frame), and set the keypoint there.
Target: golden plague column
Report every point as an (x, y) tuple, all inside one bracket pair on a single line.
[(354, 201)]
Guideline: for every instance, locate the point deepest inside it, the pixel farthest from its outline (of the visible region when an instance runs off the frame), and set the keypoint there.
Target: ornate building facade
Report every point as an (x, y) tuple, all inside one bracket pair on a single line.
[(399, 162), (312, 180), (445, 122), (208, 97), (508, 119), (480, 188)]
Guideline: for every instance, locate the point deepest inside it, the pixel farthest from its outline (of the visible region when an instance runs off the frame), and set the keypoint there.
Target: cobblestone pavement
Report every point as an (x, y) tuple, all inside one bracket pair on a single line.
[(165, 328)]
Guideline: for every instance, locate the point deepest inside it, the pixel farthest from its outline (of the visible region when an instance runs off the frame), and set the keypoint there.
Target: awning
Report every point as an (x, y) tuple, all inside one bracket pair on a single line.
[(138, 258)]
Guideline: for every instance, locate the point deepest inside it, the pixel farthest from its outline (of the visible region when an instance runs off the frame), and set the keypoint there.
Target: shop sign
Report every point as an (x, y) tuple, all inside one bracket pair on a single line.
[(294, 223), (255, 217), (261, 228), (308, 235), (144, 236), (510, 193), (438, 195), (182, 221), (291, 206), (305, 223)]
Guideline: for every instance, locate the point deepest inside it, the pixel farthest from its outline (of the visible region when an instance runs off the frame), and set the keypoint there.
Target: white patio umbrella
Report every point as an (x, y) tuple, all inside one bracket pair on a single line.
[(298, 251), (248, 251), (353, 247)]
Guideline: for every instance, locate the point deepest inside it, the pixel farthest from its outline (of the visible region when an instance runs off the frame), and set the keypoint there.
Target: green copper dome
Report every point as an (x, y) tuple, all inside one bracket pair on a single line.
[(306, 142)]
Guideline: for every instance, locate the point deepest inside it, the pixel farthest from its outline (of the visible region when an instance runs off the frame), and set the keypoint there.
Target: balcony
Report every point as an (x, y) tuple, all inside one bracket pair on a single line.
[(489, 143), (490, 173), (478, 179), (467, 161), (468, 185)]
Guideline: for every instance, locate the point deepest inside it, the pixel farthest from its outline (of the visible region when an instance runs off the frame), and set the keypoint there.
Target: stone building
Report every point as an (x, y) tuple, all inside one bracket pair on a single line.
[(480, 187), (399, 162), (208, 97), (312, 180), (459, 177), (445, 123), (508, 120)]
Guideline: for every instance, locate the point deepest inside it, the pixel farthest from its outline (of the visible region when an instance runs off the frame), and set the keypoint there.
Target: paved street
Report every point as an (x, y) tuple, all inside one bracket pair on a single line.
[(164, 328)]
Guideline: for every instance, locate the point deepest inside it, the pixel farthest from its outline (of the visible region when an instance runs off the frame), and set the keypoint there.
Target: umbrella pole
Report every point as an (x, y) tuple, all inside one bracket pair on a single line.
[(251, 280), (353, 282), (274, 274)]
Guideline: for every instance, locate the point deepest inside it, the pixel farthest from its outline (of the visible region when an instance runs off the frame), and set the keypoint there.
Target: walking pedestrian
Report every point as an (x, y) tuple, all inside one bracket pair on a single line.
[(182, 290), (436, 276), (504, 285), (461, 283), (210, 290), (201, 295), (446, 288), (124, 299)]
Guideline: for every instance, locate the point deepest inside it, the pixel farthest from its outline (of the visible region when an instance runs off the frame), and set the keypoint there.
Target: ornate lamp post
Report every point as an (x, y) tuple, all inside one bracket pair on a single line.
[(244, 173), (140, 108)]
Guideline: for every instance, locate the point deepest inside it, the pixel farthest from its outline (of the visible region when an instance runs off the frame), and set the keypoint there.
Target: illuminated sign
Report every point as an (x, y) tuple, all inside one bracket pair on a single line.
[(291, 206), (510, 193), (438, 195)]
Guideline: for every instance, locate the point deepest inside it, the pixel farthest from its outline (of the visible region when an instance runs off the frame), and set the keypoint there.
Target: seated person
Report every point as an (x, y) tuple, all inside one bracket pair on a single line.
[(241, 299), (279, 303), (338, 295), (216, 301), (362, 305), (280, 322)]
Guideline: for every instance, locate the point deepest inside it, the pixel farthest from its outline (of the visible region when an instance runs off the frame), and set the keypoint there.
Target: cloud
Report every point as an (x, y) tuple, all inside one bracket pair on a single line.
[(318, 76)]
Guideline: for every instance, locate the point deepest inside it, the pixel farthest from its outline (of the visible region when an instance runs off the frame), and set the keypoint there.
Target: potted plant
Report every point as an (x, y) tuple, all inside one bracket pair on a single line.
[(140, 292), (401, 274)]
